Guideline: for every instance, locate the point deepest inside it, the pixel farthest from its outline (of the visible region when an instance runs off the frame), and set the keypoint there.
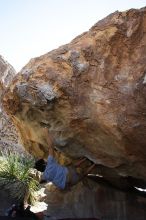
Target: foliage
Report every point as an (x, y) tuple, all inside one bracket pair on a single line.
[(14, 175)]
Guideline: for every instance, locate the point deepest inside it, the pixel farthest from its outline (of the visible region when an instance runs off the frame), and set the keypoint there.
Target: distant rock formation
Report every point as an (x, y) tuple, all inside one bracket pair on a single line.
[(7, 72), (90, 94), (8, 133)]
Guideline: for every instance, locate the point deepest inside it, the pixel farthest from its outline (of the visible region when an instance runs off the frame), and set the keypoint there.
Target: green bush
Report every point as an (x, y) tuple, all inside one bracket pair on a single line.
[(14, 175)]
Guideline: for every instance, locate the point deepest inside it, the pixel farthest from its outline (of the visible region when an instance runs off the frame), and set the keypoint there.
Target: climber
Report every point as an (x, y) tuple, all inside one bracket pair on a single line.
[(62, 176)]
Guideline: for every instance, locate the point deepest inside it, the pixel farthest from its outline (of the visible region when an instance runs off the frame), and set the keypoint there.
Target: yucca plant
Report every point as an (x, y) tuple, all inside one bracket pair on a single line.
[(15, 176)]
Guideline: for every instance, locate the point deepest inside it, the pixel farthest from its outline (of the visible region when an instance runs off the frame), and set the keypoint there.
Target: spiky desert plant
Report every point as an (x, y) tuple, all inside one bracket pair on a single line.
[(15, 176)]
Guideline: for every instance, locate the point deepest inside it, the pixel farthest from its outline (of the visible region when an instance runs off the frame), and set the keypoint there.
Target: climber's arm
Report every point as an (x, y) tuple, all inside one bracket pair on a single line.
[(51, 152), (49, 139)]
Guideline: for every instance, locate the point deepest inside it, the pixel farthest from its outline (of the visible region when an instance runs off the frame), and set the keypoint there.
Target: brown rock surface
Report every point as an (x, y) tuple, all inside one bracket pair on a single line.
[(90, 94), (95, 201)]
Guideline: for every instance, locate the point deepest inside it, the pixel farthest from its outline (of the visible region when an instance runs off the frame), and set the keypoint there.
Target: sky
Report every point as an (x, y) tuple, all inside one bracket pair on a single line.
[(30, 28)]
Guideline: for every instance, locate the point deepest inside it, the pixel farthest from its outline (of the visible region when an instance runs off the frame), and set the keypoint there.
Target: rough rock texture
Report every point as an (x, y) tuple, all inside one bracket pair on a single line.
[(8, 133), (90, 94), (98, 201)]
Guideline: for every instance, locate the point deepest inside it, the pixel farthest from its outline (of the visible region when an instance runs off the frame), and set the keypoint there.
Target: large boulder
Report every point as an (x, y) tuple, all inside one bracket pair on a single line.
[(90, 94)]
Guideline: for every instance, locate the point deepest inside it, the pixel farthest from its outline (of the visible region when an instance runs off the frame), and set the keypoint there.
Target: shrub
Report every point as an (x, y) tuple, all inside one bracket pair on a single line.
[(14, 175)]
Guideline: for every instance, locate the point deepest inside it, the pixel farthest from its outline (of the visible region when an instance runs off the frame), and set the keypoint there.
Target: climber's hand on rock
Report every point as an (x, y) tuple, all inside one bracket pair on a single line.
[(45, 130), (49, 139)]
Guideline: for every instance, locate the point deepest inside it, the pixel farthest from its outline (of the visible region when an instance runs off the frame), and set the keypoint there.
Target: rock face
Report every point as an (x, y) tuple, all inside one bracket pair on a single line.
[(94, 201), (8, 133), (90, 94)]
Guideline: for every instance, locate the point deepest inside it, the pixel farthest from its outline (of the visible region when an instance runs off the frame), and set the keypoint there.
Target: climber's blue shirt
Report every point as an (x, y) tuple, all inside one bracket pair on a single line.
[(55, 173)]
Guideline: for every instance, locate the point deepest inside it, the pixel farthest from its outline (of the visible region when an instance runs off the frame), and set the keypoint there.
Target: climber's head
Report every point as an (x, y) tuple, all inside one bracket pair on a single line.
[(40, 165)]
